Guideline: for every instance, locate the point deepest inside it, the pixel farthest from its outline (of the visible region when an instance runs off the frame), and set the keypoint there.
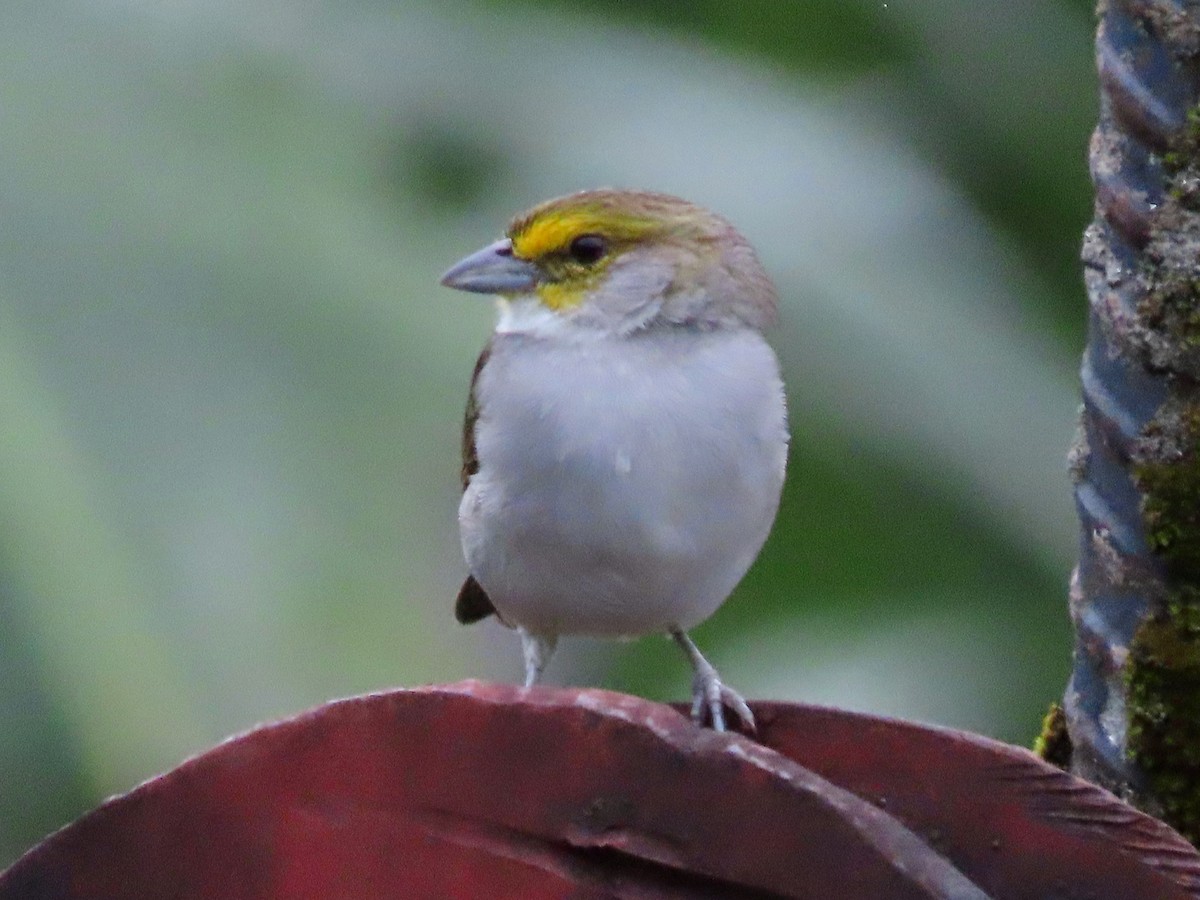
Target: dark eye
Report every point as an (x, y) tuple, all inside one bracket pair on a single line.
[(587, 249)]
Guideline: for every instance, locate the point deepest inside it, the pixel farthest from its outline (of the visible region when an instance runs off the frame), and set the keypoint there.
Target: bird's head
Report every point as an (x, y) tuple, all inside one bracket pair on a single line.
[(619, 261)]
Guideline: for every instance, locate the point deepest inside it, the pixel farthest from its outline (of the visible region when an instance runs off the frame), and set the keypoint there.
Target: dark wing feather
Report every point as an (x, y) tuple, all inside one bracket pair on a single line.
[(473, 602), (470, 458)]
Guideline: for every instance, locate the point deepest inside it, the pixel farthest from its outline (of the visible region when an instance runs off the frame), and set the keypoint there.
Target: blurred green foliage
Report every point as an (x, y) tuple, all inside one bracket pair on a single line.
[(231, 388)]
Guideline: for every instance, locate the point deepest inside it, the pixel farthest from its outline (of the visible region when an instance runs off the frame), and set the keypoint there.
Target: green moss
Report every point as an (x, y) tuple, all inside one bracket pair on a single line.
[(1168, 474), (1162, 676), (1053, 744), (1172, 303), (1163, 673), (1163, 682), (1186, 149)]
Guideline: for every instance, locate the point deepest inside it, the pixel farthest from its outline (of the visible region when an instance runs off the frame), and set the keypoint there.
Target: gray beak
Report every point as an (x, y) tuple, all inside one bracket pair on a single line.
[(492, 270)]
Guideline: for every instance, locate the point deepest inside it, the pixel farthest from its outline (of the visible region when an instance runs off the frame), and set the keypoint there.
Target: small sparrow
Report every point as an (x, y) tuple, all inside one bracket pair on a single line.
[(626, 431)]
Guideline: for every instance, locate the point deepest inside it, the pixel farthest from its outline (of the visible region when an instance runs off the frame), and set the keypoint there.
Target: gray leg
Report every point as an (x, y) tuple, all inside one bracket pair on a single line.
[(709, 694), (538, 649)]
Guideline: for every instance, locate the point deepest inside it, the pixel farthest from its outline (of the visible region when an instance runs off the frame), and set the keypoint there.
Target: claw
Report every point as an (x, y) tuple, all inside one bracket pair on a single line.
[(711, 696)]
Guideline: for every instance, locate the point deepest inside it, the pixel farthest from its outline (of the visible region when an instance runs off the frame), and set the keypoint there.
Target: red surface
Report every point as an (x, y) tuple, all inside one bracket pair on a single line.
[(478, 790), (1016, 826)]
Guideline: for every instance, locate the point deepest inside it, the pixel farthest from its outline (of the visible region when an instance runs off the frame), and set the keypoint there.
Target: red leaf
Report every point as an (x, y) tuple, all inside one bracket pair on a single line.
[(1016, 826), (478, 790)]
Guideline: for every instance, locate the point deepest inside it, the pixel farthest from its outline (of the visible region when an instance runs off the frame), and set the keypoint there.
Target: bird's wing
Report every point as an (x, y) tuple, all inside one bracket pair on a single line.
[(473, 602), (470, 457)]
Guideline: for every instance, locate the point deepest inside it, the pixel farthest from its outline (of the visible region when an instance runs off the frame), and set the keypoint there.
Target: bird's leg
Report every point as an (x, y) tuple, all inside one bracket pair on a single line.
[(538, 648), (709, 694)]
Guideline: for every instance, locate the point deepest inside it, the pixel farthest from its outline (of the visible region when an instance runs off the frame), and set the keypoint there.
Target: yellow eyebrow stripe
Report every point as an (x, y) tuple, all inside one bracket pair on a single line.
[(553, 231)]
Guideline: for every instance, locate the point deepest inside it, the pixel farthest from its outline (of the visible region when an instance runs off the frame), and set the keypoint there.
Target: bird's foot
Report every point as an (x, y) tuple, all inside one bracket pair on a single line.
[(711, 697)]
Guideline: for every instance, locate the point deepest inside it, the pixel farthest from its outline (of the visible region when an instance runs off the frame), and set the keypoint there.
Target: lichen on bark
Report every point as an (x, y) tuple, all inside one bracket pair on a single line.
[(1163, 673), (1169, 311)]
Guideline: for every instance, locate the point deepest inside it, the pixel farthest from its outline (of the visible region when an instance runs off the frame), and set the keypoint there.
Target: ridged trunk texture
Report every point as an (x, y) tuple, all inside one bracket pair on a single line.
[(1132, 707)]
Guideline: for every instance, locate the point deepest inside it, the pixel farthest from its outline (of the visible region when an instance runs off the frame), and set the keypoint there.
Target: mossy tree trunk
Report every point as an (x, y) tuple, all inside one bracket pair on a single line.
[(1132, 708)]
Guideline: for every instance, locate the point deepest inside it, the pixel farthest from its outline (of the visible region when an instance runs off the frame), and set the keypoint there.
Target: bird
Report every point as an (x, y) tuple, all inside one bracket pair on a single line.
[(626, 437)]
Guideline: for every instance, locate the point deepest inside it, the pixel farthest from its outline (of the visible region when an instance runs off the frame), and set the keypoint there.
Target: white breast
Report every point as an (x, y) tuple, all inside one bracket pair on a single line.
[(625, 484)]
